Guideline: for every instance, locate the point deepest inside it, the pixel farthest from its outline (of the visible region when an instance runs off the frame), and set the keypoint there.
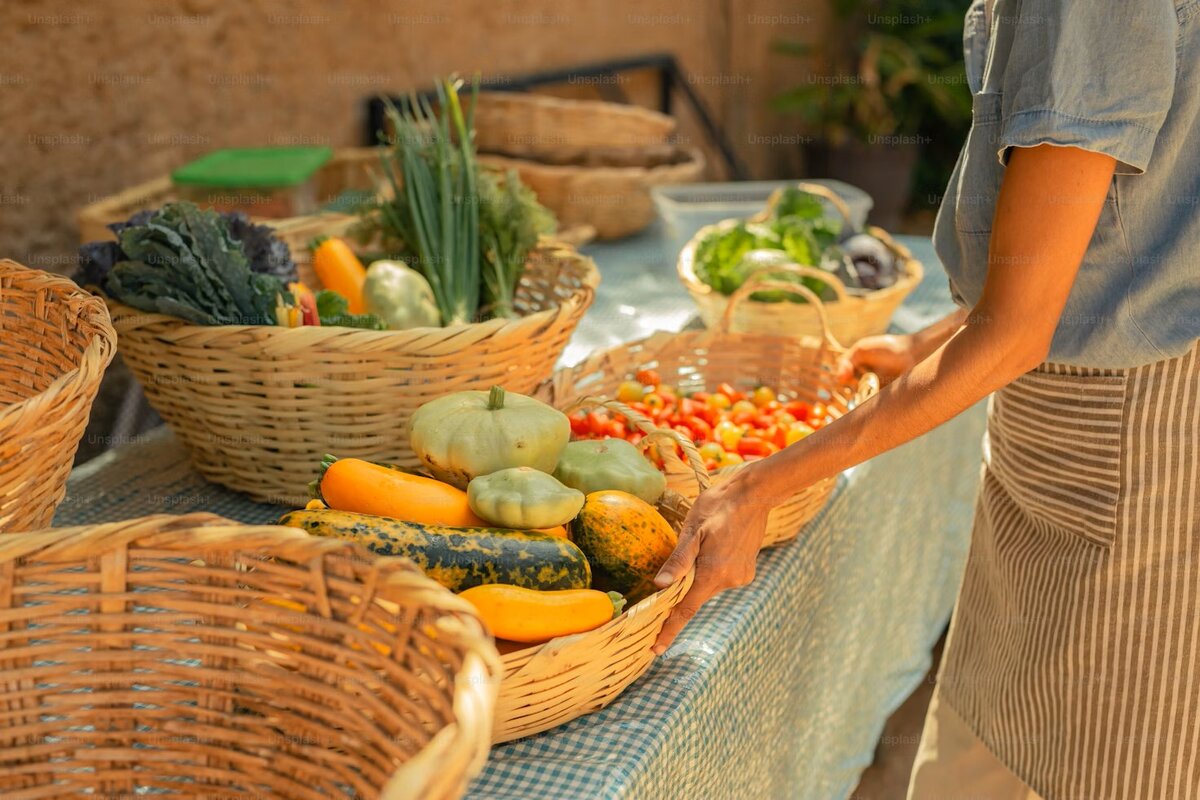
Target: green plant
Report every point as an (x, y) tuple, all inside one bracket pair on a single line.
[(884, 69)]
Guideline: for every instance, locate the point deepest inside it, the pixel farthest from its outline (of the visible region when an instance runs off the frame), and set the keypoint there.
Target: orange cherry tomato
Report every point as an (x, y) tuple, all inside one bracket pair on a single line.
[(654, 401), (798, 409), (630, 391), (649, 377), (579, 424), (762, 395), (733, 394), (752, 446), (597, 423)]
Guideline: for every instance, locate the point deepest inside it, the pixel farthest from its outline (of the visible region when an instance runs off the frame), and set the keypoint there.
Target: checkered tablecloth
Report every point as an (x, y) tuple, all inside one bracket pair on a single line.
[(776, 690)]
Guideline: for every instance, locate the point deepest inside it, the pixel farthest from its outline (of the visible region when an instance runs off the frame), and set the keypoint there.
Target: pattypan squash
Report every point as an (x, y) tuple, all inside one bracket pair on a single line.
[(523, 498), (596, 465), (400, 296), (466, 434)]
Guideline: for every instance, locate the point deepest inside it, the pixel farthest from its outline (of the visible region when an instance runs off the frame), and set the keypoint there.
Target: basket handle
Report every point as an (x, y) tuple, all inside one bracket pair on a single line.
[(761, 279), (818, 189), (651, 431)]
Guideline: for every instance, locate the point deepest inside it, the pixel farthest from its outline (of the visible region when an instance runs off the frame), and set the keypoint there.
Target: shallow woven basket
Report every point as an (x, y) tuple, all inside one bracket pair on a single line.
[(192, 656), (258, 405), (55, 342), (851, 316), (801, 367), (554, 129), (615, 201), (553, 683)]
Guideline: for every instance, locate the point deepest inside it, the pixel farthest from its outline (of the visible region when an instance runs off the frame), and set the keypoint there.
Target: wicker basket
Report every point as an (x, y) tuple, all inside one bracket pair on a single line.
[(550, 684), (614, 200), (553, 129), (851, 316), (802, 367), (55, 342), (192, 656), (257, 406)]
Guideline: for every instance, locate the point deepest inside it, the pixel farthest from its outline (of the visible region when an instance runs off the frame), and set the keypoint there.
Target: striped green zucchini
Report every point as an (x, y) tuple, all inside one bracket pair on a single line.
[(458, 558)]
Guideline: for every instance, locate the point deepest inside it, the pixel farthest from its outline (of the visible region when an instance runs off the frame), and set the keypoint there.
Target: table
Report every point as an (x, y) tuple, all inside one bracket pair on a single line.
[(779, 689)]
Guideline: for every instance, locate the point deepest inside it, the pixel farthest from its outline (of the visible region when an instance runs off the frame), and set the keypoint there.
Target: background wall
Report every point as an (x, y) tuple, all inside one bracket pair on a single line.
[(95, 97)]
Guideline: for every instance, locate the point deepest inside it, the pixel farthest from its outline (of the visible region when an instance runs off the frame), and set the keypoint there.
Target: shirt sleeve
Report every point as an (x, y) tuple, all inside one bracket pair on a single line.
[(1094, 74)]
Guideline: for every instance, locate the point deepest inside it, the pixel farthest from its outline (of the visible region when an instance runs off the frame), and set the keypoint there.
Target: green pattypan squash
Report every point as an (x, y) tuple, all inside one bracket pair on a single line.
[(596, 465), (523, 498), (466, 434), (400, 296)]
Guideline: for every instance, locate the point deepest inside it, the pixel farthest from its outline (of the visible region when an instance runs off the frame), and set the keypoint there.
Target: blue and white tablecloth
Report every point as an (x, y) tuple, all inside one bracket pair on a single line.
[(777, 690)]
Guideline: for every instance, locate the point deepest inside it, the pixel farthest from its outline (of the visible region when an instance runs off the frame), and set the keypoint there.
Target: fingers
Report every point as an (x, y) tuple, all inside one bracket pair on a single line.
[(682, 614), (682, 558)]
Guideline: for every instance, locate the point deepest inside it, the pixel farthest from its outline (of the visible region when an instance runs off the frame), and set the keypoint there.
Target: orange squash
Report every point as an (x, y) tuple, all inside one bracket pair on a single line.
[(517, 614), (351, 484), (626, 540)]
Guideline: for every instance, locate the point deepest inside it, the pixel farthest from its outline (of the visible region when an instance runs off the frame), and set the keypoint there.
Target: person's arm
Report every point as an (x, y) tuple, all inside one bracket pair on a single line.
[(1046, 212)]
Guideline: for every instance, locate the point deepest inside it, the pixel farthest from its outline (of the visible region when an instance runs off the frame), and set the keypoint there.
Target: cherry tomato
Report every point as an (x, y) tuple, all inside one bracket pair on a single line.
[(717, 402), (784, 418), (669, 393), (743, 407), (630, 392), (796, 432), (762, 395), (753, 446), (818, 413), (649, 377), (597, 423), (798, 409), (687, 407), (727, 434), (730, 459), (777, 436), (762, 423), (701, 430), (711, 451), (579, 424), (733, 394), (707, 414), (654, 401)]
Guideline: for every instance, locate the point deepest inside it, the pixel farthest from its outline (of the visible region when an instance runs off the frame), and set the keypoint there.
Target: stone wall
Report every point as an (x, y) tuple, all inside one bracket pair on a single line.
[(98, 96)]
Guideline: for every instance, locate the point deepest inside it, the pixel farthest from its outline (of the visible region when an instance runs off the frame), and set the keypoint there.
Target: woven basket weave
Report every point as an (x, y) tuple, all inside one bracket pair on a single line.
[(801, 367), (257, 406), (195, 657), (55, 342), (553, 683), (851, 316)]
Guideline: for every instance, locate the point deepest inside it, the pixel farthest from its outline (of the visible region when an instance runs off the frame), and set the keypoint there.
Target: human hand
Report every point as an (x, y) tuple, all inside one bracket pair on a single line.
[(889, 356), (721, 537)]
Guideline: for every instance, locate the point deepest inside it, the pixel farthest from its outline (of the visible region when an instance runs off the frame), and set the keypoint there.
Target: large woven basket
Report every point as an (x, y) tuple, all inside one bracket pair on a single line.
[(257, 406), (851, 316), (615, 201), (553, 683), (556, 130), (801, 367), (55, 342), (191, 656)]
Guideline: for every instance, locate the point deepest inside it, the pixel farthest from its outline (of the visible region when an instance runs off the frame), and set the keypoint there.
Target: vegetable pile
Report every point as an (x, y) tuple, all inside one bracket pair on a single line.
[(466, 230), (209, 269), (796, 231), (492, 524), (729, 426)]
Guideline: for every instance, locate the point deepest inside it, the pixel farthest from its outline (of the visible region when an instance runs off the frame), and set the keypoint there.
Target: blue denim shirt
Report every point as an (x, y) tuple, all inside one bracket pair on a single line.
[(1120, 77)]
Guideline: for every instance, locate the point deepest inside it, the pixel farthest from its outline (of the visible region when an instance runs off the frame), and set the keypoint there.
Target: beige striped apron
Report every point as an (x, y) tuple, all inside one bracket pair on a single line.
[(1074, 652)]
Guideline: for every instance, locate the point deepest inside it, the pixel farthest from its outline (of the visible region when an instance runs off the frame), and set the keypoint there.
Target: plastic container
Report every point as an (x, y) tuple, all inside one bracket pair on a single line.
[(267, 182), (686, 208)]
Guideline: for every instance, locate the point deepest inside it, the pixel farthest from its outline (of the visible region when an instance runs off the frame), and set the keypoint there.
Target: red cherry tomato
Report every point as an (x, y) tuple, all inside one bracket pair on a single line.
[(799, 409), (616, 429), (579, 424), (752, 446), (701, 430), (597, 423)]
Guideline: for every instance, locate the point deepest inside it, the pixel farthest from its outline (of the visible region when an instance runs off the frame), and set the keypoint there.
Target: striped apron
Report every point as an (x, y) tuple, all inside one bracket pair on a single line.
[(1074, 652)]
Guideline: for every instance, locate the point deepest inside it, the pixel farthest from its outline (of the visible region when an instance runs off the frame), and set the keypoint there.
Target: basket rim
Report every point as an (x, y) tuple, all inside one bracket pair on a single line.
[(499, 98), (96, 356), (332, 335), (695, 162), (913, 270)]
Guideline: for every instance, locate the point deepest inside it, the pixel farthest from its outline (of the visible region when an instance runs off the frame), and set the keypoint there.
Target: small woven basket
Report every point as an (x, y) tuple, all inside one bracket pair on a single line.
[(801, 367), (191, 656), (851, 316), (550, 684), (258, 405), (55, 342)]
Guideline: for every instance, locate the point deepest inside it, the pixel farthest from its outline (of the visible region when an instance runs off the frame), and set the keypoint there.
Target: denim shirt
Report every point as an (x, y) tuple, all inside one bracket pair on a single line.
[(1120, 77)]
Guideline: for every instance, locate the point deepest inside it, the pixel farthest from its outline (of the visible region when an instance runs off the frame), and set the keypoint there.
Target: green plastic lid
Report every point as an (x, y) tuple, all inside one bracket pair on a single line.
[(249, 167)]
